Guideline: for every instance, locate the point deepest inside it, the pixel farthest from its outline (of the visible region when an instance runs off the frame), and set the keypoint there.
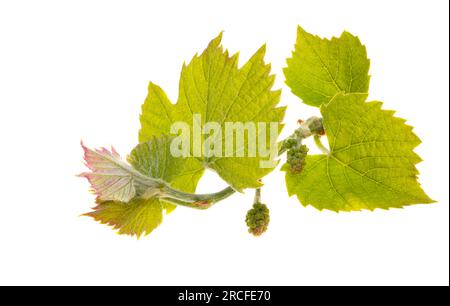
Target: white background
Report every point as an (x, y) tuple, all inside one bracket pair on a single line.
[(72, 70)]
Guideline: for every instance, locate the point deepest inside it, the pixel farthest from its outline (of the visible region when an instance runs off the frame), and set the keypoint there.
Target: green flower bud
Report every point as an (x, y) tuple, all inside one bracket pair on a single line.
[(289, 143), (296, 158), (257, 219)]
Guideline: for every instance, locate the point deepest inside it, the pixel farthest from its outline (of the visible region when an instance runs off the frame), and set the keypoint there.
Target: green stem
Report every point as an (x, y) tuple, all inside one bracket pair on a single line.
[(320, 145), (200, 201), (257, 198), (186, 204), (308, 128)]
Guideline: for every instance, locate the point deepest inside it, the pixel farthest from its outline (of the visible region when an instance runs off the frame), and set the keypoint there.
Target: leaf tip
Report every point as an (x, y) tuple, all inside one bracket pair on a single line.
[(300, 29), (215, 43), (263, 48)]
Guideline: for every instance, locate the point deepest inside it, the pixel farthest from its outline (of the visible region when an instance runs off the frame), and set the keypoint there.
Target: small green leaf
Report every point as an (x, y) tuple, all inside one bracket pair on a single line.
[(111, 178), (371, 163), (153, 158), (213, 86), (137, 217), (143, 213), (320, 68)]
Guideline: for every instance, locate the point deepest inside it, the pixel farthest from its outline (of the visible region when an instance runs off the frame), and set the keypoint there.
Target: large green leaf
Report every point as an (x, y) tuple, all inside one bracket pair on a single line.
[(320, 68), (213, 86), (371, 163)]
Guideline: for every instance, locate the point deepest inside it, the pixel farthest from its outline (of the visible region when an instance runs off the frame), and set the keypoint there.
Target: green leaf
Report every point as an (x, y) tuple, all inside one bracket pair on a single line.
[(111, 178), (321, 68), (371, 163), (137, 217), (144, 212), (153, 158), (213, 86)]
